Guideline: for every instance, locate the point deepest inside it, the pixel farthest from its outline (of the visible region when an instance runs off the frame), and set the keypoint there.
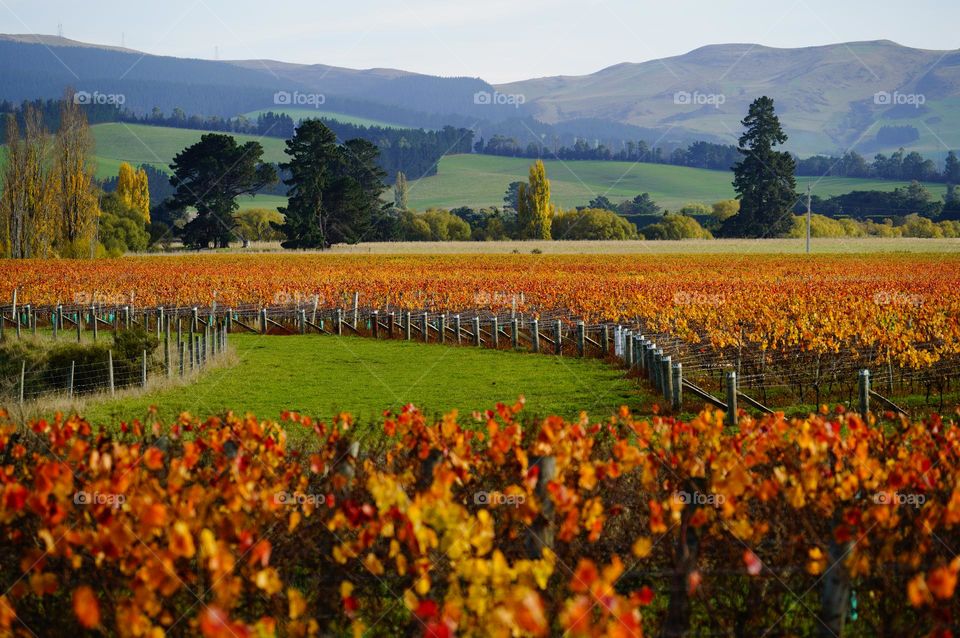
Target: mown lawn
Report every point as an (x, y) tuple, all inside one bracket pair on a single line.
[(322, 375)]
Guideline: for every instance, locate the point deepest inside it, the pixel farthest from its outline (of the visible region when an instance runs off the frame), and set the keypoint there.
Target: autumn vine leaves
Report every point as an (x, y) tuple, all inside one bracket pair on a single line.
[(394, 540)]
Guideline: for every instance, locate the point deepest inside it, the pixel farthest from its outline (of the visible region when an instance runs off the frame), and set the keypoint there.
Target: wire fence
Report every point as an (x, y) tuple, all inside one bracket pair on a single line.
[(781, 377)]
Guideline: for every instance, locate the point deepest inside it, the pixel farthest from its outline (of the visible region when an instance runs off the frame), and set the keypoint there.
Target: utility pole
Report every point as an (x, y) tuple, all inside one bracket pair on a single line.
[(809, 216)]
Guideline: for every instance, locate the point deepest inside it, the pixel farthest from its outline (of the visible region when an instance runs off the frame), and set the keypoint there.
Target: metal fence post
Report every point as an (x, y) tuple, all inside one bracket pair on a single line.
[(732, 398), (864, 383)]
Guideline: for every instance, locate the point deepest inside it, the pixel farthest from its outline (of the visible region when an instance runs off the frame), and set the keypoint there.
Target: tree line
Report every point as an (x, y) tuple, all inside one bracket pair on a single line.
[(413, 151), (900, 165)]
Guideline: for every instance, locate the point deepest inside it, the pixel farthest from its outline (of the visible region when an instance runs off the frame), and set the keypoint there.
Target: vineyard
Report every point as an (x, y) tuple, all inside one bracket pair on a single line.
[(677, 521), (796, 330), (620, 527)]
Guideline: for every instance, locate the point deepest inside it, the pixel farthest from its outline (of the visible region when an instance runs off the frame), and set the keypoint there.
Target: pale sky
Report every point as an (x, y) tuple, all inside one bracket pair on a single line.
[(497, 40)]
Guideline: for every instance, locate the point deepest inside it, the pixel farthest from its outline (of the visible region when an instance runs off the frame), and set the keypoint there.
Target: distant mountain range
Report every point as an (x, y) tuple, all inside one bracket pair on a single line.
[(863, 96)]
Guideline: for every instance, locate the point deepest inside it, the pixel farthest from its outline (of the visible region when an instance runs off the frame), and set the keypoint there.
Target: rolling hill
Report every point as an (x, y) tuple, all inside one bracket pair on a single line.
[(477, 180), (826, 95)]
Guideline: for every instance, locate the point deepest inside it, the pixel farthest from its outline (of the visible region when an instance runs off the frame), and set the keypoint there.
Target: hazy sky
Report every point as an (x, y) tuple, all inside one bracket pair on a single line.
[(498, 40)]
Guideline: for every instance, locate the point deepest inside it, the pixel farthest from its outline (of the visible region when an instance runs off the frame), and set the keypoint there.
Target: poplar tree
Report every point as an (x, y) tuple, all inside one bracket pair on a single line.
[(28, 227), (76, 193), (133, 189), (534, 210), (400, 192)]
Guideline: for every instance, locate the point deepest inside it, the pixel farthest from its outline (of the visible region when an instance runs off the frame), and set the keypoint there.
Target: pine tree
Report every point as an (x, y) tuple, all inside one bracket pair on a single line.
[(208, 177), (764, 178), (400, 192), (312, 150)]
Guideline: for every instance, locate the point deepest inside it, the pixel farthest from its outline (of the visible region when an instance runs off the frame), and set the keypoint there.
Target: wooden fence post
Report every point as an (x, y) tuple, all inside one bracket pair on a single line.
[(495, 332), (263, 321), (535, 335), (677, 386), (339, 321), (375, 324), (391, 320), (514, 333), (183, 348), (456, 327), (442, 327), (732, 398), (666, 376), (93, 320), (73, 368), (356, 309), (143, 370), (540, 534), (425, 327), (79, 325), (477, 341), (23, 378), (581, 338), (407, 327)]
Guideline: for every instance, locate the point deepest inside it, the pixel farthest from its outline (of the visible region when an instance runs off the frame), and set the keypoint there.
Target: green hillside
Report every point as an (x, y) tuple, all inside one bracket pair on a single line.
[(140, 144), (480, 180), (305, 114)]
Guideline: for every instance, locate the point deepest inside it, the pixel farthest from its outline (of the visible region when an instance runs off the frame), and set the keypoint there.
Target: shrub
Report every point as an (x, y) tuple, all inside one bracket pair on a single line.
[(433, 225), (592, 223), (676, 227)]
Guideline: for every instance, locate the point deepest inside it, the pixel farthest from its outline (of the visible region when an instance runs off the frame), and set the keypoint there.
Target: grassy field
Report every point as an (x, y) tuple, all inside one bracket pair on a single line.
[(322, 376), (305, 114), (157, 145), (689, 246), (480, 180)]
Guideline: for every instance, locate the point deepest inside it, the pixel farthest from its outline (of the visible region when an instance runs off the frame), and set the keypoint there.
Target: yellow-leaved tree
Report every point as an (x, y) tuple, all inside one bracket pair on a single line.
[(76, 194), (27, 221), (133, 189), (534, 210)]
